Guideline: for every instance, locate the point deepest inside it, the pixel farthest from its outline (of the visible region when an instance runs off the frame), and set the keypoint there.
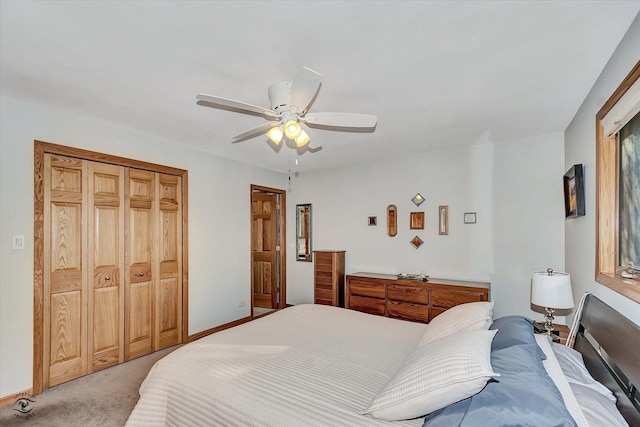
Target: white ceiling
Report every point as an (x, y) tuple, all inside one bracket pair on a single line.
[(437, 74)]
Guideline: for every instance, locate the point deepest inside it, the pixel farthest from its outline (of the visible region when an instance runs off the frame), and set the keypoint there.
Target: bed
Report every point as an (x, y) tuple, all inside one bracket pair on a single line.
[(312, 365)]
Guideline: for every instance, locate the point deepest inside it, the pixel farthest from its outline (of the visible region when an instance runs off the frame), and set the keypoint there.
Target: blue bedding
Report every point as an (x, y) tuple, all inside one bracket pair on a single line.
[(523, 395)]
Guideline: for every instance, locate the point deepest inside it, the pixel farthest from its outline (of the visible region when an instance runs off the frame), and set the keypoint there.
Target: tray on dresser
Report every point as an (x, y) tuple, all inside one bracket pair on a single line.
[(416, 277)]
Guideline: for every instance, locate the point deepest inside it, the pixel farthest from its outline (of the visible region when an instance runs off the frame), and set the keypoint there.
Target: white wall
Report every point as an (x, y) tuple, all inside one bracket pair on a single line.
[(219, 222), (580, 147), (514, 186)]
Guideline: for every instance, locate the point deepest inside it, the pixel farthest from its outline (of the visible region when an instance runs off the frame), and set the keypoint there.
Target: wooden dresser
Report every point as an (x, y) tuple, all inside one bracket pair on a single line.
[(386, 295), (329, 277)]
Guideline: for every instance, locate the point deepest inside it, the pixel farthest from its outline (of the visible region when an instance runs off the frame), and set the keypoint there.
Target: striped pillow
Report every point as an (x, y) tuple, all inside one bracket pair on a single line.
[(452, 368), (464, 317)]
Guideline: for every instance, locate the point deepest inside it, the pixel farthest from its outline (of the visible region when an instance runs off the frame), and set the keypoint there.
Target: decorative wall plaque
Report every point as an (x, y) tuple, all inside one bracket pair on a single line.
[(416, 242)]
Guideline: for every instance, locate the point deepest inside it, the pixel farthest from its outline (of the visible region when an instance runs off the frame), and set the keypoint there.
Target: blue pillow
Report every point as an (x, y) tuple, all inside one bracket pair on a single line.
[(514, 330), (523, 394)]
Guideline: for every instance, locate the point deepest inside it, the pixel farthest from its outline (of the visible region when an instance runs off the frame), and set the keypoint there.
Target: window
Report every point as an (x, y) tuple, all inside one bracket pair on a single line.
[(629, 197), (618, 187)]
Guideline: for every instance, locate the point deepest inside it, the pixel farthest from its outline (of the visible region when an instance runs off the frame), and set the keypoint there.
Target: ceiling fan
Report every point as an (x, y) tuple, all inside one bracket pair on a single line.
[(289, 117)]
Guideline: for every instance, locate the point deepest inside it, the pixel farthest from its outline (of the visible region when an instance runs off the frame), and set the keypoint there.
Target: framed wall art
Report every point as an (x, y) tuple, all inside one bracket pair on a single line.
[(443, 220), (416, 221), (469, 217), (574, 192)]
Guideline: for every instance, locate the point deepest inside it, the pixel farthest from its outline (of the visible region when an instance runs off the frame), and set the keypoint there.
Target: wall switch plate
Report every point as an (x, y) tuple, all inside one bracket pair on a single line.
[(18, 242)]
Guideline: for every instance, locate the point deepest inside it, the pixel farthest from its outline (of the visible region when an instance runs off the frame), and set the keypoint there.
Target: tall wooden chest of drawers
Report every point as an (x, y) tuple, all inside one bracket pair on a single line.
[(386, 295), (329, 277)]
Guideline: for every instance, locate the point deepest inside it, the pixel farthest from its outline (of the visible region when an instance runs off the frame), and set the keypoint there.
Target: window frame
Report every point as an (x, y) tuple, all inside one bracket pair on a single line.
[(607, 200)]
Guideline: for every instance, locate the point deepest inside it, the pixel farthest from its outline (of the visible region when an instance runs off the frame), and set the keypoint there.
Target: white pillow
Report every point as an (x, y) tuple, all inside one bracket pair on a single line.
[(464, 317), (573, 368), (434, 376)]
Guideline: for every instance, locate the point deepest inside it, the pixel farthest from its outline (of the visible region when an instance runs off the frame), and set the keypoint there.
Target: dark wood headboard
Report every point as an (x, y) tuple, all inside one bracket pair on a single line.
[(610, 346)]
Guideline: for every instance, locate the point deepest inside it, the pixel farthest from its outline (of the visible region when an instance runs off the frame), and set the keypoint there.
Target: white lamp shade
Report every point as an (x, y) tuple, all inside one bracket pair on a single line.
[(275, 134), (292, 129), (551, 291), (303, 139)]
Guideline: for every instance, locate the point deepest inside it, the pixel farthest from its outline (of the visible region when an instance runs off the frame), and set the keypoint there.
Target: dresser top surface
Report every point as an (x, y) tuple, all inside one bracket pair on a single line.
[(432, 280)]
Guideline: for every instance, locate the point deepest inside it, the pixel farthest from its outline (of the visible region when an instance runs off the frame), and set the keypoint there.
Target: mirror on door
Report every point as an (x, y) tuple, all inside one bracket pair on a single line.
[(303, 232)]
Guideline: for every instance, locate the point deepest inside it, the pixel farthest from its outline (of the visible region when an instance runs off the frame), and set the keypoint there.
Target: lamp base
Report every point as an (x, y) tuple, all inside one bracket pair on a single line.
[(545, 327)]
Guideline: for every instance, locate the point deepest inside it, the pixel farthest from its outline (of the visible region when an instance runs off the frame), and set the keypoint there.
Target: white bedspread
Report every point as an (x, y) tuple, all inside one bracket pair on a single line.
[(273, 372)]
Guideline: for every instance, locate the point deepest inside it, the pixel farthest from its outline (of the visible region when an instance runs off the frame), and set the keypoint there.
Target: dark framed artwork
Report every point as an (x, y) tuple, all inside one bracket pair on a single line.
[(574, 192)]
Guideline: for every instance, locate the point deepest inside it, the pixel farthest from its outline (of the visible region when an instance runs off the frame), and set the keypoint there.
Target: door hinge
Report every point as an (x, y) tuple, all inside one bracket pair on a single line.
[(277, 247)]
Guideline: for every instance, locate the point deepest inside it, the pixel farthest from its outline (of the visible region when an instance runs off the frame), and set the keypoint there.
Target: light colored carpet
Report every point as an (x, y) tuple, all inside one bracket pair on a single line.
[(103, 399)]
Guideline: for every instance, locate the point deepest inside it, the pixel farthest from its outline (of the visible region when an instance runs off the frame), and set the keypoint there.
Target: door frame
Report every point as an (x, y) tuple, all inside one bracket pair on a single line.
[(282, 223), (40, 148)]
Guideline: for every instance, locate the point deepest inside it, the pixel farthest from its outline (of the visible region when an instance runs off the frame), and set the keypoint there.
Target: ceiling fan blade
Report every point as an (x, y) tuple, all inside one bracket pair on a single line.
[(315, 149), (237, 106), (253, 132), (303, 89), (342, 120)]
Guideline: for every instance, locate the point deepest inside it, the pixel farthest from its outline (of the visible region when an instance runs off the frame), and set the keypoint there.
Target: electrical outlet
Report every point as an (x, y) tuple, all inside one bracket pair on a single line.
[(18, 242), (241, 303)]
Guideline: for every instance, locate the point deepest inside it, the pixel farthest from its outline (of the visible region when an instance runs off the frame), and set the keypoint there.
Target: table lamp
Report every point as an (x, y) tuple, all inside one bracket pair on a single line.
[(551, 290)]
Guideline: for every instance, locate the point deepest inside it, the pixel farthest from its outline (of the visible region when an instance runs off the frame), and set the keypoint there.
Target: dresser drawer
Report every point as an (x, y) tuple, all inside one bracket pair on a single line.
[(408, 311), (450, 298), (367, 305), (366, 289), (408, 294)]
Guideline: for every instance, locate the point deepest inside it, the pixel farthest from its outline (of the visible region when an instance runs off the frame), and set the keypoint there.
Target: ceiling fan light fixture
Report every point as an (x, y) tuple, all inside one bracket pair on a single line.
[(275, 134), (302, 139), (292, 129)]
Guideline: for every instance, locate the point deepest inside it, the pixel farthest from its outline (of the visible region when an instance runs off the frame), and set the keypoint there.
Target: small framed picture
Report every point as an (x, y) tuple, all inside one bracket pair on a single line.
[(416, 221), (574, 192), (443, 220), (469, 217)]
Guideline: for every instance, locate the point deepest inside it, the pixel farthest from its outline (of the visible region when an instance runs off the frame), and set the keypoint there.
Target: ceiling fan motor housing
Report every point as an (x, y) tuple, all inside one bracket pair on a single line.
[(278, 93)]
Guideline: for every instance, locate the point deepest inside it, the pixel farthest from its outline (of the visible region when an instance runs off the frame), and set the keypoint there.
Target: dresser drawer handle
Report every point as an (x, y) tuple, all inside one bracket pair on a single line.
[(141, 274), (107, 278)]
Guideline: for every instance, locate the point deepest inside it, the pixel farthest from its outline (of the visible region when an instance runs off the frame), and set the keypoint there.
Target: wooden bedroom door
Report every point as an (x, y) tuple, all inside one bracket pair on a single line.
[(264, 249)]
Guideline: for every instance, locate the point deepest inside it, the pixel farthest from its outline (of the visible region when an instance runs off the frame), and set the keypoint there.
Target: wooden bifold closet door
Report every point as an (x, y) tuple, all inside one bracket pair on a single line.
[(112, 265)]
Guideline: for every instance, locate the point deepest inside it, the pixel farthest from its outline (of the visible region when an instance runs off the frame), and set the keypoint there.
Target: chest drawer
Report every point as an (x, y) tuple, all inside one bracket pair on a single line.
[(367, 305), (408, 294), (450, 298), (408, 311), (323, 261), (366, 289)]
